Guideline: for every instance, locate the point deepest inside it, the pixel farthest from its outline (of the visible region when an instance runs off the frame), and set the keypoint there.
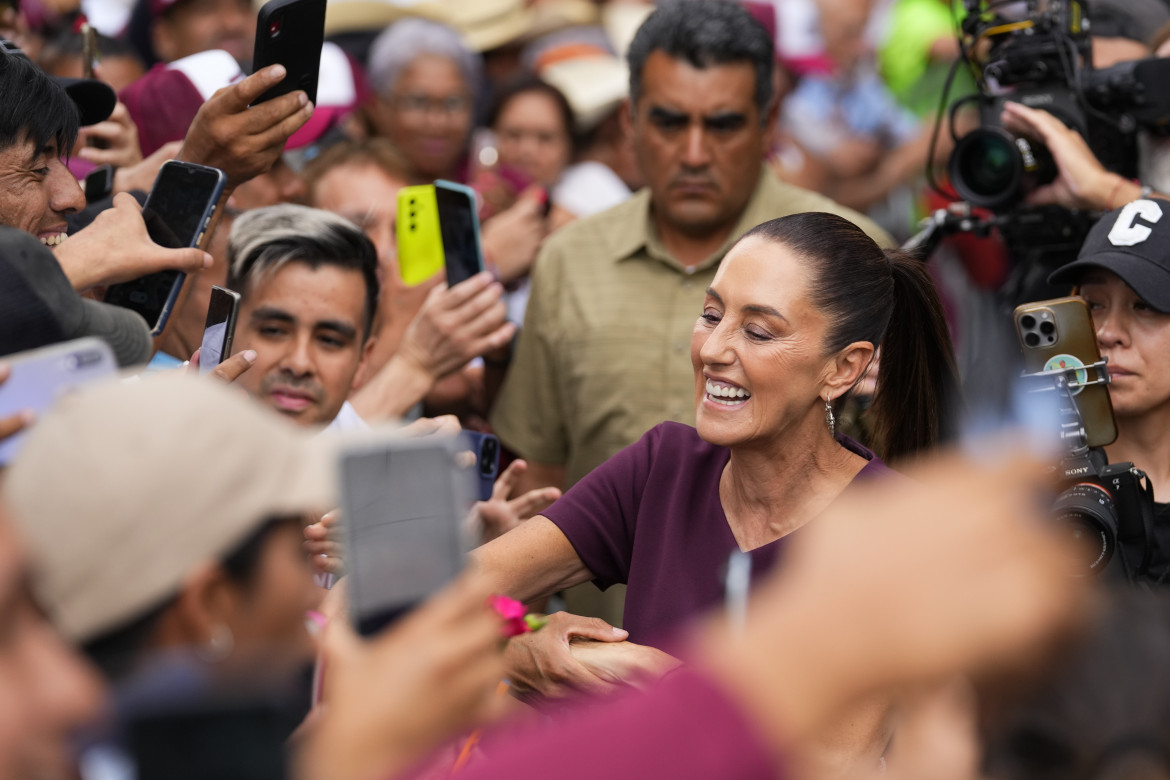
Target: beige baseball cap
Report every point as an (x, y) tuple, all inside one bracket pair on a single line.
[(123, 489)]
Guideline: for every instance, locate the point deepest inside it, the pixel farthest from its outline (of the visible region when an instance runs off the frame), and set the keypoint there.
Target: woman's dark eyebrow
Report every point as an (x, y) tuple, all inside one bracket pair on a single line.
[(760, 309), (755, 308)]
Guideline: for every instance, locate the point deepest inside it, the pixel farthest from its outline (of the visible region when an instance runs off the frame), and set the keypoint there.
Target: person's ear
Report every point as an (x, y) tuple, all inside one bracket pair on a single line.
[(626, 117), (378, 113), (162, 39), (360, 374), (207, 602), (770, 121), (845, 368)]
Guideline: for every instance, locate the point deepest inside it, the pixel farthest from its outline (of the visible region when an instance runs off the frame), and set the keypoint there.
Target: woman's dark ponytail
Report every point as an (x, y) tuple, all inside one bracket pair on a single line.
[(917, 385), (888, 299)]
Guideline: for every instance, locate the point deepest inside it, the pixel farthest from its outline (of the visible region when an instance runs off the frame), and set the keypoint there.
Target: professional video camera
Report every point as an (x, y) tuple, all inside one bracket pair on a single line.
[(1038, 52), (1108, 509)]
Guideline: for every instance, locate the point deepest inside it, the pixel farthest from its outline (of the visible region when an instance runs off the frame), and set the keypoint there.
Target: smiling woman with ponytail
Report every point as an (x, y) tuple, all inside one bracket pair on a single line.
[(791, 323)]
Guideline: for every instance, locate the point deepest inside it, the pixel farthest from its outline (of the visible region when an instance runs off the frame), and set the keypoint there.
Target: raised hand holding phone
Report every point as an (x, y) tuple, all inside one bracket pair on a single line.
[(290, 33), (177, 213)]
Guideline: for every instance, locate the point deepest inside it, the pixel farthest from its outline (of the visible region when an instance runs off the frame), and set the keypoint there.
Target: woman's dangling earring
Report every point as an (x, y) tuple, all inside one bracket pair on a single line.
[(220, 646), (830, 420)]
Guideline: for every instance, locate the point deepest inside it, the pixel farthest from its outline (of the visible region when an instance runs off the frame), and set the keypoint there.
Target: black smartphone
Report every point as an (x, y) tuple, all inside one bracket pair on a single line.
[(99, 183), (219, 328), (176, 213), (404, 502), (486, 449), (459, 227), (291, 33), (227, 740)]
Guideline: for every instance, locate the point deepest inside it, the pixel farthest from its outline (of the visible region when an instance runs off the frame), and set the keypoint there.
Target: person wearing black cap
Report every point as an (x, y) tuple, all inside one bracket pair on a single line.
[(38, 306), (1123, 272)]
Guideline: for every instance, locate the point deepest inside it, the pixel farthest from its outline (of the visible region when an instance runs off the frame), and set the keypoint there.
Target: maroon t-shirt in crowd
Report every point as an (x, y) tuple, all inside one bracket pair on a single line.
[(650, 517)]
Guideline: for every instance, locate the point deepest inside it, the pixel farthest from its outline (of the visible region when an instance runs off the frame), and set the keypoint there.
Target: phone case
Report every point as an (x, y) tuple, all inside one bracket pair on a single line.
[(420, 242), (1070, 342), (404, 500), (459, 227), (40, 376), (290, 32)]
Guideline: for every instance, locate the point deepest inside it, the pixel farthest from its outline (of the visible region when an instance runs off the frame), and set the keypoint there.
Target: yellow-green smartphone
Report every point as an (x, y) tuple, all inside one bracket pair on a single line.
[(420, 242)]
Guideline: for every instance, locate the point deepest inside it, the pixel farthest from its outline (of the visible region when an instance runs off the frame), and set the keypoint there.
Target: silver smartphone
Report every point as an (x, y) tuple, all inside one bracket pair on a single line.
[(404, 502), (40, 376)]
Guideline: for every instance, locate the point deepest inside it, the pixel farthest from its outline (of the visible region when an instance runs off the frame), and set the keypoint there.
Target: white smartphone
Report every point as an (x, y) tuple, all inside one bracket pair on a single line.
[(40, 376), (403, 502)]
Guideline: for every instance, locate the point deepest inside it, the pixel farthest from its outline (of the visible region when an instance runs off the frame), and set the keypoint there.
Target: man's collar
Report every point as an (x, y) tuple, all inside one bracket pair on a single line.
[(631, 225)]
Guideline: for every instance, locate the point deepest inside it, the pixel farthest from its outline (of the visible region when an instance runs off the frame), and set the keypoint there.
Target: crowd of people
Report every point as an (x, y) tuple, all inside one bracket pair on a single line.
[(747, 470)]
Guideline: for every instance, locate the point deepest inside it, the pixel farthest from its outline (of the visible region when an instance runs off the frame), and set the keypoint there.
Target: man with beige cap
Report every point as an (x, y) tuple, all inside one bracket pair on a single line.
[(168, 479)]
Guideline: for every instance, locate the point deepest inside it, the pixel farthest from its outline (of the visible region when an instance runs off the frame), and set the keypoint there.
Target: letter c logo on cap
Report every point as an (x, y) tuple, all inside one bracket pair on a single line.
[(1125, 231)]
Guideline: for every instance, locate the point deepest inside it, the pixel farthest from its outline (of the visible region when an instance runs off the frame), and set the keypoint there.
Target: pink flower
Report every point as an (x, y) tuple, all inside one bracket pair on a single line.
[(515, 621)]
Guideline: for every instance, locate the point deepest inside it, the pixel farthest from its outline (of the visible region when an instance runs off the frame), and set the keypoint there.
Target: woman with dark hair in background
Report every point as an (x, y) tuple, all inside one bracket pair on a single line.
[(790, 324), (533, 124)]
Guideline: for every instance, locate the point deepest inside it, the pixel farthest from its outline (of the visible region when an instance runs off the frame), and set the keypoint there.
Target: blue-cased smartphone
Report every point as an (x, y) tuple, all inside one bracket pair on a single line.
[(177, 212), (459, 227), (40, 376), (487, 461)]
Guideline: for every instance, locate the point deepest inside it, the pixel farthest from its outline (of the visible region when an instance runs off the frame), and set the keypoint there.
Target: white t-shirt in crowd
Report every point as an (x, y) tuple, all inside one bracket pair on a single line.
[(347, 419)]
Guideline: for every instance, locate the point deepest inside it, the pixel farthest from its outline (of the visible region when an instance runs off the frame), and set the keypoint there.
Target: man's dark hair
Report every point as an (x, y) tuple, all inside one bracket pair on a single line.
[(705, 33), (263, 240), (36, 108)]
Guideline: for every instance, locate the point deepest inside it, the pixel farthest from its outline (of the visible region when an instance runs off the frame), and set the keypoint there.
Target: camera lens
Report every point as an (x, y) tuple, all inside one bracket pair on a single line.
[(986, 168), (1047, 328), (1028, 321), (1088, 516), (487, 457), (1031, 339)]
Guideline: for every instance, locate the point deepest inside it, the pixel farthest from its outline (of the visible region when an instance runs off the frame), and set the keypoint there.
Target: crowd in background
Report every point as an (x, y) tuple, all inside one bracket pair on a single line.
[(694, 335)]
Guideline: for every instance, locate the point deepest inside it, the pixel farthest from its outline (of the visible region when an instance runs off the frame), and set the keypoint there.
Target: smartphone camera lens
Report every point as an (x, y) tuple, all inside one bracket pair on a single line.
[(1031, 339), (487, 457), (1027, 321), (274, 28), (1047, 328)]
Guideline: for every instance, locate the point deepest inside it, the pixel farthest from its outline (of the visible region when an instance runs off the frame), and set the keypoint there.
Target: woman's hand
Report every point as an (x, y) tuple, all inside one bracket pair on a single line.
[(543, 663), (512, 238), (498, 515), (623, 663)]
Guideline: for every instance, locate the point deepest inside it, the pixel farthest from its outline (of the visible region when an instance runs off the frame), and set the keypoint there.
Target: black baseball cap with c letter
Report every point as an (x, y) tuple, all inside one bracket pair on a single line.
[(1132, 242)]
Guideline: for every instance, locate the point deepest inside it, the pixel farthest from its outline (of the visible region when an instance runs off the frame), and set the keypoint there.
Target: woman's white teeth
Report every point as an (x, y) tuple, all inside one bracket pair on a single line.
[(54, 240), (734, 394)]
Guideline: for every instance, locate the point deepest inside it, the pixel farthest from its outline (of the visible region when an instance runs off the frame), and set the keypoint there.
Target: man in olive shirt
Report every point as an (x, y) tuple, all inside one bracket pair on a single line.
[(604, 352)]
